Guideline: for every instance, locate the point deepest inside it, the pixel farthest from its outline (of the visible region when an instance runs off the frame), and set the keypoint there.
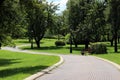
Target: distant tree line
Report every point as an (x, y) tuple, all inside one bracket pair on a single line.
[(84, 21), (94, 21), (20, 18)]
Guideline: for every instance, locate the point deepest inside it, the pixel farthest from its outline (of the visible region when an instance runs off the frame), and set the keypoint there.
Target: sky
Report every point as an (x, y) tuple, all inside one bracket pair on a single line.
[(62, 4)]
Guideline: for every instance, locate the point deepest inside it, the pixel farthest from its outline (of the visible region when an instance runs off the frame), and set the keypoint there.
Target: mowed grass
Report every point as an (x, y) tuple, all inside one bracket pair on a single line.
[(48, 45), (114, 57), (17, 65), (21, 41)]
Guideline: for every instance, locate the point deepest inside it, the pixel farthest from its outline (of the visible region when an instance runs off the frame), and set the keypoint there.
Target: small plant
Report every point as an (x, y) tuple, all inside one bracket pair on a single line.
[(98, 48), (60, 43)]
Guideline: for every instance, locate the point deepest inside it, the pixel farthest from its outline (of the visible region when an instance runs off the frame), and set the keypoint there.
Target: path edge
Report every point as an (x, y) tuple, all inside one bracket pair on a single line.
[(45, 71), (108, 61)]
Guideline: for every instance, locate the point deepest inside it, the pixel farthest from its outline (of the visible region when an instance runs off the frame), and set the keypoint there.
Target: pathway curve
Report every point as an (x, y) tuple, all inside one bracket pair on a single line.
[(83, 68), (78, 67)]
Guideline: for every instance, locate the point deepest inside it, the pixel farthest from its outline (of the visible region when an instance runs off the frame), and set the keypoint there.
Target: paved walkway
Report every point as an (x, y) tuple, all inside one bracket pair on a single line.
[(78, 67), (83, 68)]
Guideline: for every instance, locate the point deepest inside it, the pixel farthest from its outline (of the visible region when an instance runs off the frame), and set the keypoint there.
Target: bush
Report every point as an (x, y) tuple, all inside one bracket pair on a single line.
[(98, 48), (6, 41), (60, 43)]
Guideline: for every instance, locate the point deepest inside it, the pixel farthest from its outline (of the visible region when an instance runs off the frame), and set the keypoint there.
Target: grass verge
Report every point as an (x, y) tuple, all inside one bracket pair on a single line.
[(17, 65), (48, 45), (114, 57)]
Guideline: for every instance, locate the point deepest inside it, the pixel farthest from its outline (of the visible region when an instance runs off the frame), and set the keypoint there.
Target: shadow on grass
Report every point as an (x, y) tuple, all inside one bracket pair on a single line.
[(76, 49), (30, 70), (26, 42), (5, 62), (23, 41), (44, 48), (50, 48)]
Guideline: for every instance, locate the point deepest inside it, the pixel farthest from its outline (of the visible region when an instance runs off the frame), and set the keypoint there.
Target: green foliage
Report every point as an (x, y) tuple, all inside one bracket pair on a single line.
[(40, 17), (10, 17), (48, 45), (60, 43), (67, 38), (84, 22), (6, 40), (114, 20), (18, 66), (98, 48)]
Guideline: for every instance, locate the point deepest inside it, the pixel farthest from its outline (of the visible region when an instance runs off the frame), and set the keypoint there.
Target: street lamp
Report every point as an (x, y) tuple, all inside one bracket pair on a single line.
[(70, 41), (70, 26)]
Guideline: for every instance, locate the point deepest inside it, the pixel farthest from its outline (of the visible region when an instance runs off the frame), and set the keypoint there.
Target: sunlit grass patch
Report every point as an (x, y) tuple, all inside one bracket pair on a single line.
[(17, 65)]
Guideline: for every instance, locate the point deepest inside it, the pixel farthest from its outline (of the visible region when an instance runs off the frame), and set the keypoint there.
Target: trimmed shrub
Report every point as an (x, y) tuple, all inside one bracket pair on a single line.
[(60, 43), (98, 48)]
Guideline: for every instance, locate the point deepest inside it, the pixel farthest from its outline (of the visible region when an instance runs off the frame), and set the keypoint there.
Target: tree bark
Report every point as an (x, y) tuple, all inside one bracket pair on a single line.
[(111, 42), (76, 45), (108, 38), (86, 44), (115, 47), (38, 44), (75, 42)]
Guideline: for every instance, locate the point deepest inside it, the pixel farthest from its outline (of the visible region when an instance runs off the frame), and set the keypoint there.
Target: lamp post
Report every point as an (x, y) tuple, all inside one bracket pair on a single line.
[(70, 26), (31, 39), (70, 42)]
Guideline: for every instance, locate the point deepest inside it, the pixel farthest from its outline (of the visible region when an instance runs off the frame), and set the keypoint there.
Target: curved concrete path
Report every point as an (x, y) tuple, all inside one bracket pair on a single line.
[(76, 67), (83, 68)]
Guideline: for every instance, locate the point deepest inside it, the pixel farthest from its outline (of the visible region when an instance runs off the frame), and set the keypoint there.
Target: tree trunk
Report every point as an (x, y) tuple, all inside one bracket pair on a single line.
[(108, 38), (111, 41), (115, 47), (86, 44), (31, 43), (38, 44), (76, 45), (75, 42)]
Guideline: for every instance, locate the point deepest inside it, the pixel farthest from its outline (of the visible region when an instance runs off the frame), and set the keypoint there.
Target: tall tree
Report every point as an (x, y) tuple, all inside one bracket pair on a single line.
[(39, 17), (85, 23), (115, 20), (10, 17), (76, 16)]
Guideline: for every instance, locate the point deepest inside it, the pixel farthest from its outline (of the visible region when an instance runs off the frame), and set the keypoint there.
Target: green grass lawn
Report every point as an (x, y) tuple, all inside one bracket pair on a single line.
[(48, 45), (17, 65), (114, 57), (21, 41)]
